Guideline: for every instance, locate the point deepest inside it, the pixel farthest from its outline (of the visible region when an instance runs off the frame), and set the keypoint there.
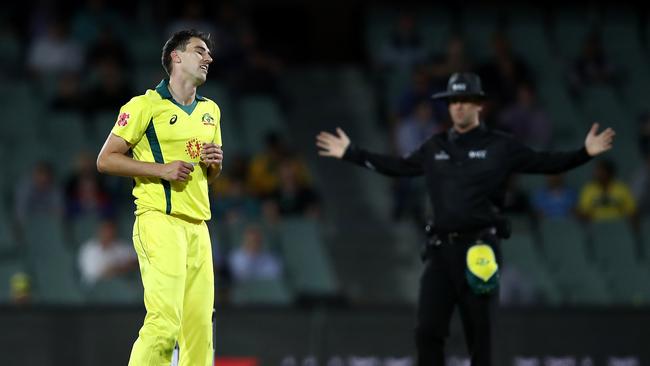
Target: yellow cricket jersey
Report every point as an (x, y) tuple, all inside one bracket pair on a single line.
[(614, 203), (160, 130)]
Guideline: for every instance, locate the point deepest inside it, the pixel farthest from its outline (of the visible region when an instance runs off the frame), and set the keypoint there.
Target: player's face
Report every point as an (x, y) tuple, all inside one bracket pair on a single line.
[(195, 60), (464, 111)]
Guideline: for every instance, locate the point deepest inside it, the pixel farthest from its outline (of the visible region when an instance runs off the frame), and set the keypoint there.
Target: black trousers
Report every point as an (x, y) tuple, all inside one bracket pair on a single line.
[(443, 286)]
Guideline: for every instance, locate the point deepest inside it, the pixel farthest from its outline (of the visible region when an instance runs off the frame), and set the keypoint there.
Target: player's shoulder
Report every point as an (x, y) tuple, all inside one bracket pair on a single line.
[(144, 100)]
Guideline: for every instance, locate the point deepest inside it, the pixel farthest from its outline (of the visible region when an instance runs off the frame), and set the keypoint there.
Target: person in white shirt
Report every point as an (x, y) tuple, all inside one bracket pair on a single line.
[(251, 261), (105, 256)]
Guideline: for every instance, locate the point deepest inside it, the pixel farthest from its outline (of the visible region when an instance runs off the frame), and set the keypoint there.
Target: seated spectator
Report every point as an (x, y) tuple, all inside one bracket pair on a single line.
[(55, 52), (234, 204), (502, 75), (192, 17), (251, 260), (515, 288), (105, 256), (85, 193), (526, 120), (67, 96), (455, 59), (39, 195), (404, 49), (264, 174), (108, 46), (410, 133), (592, 66), (20, 289), (111, 89), (605, 197), (555, 200), (93, 16), (641, 187), (644, 133), (293, 197)]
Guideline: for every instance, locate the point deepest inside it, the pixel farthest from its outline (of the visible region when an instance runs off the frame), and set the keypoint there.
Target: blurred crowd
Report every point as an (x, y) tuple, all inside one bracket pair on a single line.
[(85, 60), (512, 106)]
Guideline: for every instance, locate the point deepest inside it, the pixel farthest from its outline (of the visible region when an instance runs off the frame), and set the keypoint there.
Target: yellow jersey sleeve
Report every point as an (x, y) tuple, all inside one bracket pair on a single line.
[(133, 119), (217, 131)]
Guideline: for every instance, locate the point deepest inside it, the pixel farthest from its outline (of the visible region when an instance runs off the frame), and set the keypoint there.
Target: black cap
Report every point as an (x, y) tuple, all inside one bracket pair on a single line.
[(462, 84)]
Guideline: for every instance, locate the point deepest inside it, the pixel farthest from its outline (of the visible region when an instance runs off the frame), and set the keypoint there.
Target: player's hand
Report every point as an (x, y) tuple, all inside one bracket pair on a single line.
[(211, 153), (598, 143), (176, 171), (332, 145)]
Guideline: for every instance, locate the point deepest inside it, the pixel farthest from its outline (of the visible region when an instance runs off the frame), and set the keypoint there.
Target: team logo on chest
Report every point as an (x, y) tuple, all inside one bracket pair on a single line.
[(193, 148), (207, 119)]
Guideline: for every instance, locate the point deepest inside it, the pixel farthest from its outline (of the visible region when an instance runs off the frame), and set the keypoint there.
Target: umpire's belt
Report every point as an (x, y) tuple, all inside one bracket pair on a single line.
[(453, 237)]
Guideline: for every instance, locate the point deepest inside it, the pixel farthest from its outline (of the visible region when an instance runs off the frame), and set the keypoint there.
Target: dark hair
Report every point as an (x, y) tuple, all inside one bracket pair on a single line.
[(178, 41), (608, 166)]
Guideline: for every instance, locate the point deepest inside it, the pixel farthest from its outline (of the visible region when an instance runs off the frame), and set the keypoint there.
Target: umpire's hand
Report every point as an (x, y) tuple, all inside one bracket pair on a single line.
[(332, 145), (599, 143)]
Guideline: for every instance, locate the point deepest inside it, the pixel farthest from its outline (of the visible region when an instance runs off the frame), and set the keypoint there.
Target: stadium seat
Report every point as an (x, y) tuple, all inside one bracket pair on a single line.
[(520, 252), (259, 115), (51, 262), (114, 291), (266, 292), (8, 268), (306, 260)]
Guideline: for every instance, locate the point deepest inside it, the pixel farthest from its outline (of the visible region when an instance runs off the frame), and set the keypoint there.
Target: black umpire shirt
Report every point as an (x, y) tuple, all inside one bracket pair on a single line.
[(466, 173)]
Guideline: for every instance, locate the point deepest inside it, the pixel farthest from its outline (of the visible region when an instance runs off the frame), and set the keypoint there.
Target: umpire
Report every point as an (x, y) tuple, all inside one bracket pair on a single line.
[(466, 169)]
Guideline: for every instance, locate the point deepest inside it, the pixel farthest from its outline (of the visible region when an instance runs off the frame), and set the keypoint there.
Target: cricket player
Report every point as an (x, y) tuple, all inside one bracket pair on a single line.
[(169, 141)]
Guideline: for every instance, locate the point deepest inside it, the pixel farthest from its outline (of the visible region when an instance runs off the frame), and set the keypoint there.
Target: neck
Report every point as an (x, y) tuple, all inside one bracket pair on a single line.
[(182, 90), (467, 128)]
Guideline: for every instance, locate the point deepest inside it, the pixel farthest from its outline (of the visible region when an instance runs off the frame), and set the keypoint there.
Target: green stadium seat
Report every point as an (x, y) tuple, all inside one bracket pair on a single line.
[(265, 292), (480, 24), (52, 263), (114, 291), (571, 26), (260, 115), (306, 260), (520, 252)]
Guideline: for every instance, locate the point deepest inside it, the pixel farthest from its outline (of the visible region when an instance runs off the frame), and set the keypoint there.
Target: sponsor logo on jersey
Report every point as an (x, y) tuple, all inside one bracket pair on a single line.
[(477, 154), (173, 119), (123, 119), (193, 148), (442, 155)]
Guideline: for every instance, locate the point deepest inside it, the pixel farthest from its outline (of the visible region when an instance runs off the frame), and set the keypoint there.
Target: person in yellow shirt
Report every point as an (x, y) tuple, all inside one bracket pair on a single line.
[(606, 198), (169, 141)]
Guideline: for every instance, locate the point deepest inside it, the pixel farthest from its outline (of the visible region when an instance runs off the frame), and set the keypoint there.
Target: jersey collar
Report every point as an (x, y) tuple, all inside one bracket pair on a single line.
[(163, 90)]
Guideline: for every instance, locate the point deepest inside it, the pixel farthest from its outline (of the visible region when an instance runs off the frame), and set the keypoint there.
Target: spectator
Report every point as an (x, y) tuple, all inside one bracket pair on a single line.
[(233, 204), (644, 134), (419, 90), (20, 289), (592, 66), (105, 256), (605, 197), (55, 52), (264, 175), (40, 195), (404, 49), (85, 193), (454, 60), (251, 261), (556, 200), (111, 89), (192, 17), (293, 197), (515, 288), (501, 76), (93, 18), (411, 133), (67, 96), (526, 120), (108, 47), (641, 187)]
